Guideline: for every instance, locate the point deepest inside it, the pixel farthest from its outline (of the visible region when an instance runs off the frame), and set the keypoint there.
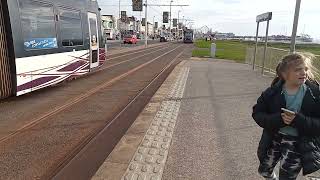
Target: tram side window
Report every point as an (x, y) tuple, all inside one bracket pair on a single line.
[(38, 25), (70, 28)]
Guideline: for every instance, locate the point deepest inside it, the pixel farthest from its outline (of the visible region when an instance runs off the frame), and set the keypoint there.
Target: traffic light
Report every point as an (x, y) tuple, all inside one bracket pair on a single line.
[(136, 5), (175, 22), (165, 17), (143, 22), (123, 16)]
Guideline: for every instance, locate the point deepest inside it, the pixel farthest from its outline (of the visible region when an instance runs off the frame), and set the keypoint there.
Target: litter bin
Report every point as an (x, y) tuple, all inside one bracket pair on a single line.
[(213, 50)]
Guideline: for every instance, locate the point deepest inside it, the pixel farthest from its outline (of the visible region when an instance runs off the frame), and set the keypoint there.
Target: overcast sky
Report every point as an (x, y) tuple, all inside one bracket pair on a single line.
[(237, 16)]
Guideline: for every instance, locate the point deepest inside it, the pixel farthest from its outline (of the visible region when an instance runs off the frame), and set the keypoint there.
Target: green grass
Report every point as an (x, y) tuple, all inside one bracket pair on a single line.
[(201, 53), (233, 50), (203, 44), (312, 48), (236, 50)]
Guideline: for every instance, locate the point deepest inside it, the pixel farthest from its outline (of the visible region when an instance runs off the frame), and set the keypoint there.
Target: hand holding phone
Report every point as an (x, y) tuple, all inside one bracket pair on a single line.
[(287, 116), (289, 112)]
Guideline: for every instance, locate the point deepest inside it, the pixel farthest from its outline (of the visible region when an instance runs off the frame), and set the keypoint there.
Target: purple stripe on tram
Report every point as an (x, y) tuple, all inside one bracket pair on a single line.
[(102, 54), (72, 67), (86, 68), (36, 82)]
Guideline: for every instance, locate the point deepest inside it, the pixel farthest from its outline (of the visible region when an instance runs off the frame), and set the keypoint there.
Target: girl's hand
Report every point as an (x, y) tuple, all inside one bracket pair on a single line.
[(287, 118)]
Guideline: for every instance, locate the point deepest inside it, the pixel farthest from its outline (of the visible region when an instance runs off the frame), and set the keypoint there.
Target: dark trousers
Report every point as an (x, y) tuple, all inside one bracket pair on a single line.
[(283, 149)]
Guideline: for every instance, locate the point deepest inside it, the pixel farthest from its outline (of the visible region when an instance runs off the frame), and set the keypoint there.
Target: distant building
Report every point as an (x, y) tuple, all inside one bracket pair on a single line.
[(224, 35), (132, 23), (109, 26), (283, 38)]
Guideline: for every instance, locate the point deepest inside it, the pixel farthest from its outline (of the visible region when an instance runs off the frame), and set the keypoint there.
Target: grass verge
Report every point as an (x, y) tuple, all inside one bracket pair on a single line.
[(236, 50), (232, 50)]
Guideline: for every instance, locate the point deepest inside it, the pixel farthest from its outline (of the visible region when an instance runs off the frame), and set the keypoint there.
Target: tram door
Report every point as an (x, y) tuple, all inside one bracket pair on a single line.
[(94, 40), (5, 74)]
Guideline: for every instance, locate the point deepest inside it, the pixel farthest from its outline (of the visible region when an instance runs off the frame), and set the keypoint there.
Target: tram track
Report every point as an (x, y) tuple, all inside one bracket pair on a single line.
[(75, 99), (131, 52), (124, 61), (50, 117), (80, 154), (83, 96)]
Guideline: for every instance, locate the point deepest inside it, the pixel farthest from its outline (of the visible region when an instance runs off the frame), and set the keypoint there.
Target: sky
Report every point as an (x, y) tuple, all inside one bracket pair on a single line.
[(236, 16)]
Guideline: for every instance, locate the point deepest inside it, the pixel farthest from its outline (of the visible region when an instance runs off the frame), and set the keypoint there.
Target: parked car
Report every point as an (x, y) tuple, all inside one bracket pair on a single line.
[(130, 39)]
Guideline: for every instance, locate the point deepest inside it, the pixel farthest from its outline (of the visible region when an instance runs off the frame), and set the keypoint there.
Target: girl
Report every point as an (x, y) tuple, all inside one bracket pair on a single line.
[(291, 138)]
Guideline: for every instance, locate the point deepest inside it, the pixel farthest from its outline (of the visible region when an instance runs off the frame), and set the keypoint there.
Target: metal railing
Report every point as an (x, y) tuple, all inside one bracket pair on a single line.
[(273, 56)]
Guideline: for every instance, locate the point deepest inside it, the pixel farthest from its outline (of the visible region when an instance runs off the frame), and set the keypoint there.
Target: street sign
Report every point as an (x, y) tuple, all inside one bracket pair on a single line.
[(123, 16), (264, 17), (260, 18), (165, 17), (175, 22), (136, 5)]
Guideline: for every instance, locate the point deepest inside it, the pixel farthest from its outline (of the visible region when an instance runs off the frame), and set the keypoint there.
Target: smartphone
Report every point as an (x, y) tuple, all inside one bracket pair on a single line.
[(288, 111)]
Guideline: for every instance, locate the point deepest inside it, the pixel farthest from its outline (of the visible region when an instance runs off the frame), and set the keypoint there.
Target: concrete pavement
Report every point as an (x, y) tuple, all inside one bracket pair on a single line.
[(213, 137)]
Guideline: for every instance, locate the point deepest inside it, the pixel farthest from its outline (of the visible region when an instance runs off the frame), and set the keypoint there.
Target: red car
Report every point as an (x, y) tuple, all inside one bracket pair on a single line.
[(130, 39)]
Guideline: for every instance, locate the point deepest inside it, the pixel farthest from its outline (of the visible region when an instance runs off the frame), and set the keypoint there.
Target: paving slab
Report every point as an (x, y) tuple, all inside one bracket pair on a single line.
[(197, 126)]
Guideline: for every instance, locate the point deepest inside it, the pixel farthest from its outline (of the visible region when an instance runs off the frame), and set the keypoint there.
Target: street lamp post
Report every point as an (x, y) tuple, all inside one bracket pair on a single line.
[(178, 15), (182, 19), (295, 26), (170, 18), (178, 24), (153, 25), (146, 26), (119, 28)]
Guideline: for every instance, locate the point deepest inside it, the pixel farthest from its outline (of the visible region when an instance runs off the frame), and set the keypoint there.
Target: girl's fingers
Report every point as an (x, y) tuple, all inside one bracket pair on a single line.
[(290, 117), (286, 118)]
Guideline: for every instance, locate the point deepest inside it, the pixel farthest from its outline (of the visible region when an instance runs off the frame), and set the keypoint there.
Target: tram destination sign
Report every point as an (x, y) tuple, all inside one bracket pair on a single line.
[(264, 17)]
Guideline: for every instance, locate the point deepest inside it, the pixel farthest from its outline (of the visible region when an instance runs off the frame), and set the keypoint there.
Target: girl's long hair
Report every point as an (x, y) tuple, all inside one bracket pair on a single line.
[(296, 59)]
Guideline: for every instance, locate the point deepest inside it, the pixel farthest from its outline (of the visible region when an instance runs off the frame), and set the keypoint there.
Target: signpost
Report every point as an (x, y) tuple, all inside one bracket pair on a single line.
[(260, 18)]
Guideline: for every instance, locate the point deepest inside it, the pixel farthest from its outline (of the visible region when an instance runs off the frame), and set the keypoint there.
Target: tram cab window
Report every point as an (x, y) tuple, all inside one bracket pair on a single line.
[(70, 28), (38, 25)]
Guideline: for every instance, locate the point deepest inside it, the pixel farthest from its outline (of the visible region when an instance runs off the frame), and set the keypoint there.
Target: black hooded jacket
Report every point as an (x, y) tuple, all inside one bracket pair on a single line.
[(267, 114)]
